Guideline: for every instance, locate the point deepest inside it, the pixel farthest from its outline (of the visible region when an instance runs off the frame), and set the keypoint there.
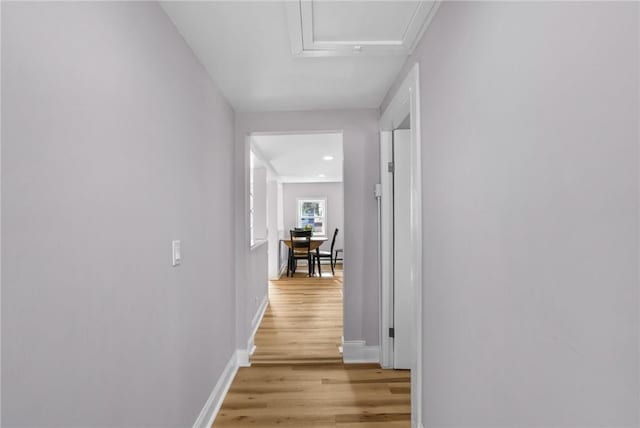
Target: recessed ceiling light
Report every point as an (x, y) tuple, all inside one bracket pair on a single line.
[(328, 157), (321, 175)]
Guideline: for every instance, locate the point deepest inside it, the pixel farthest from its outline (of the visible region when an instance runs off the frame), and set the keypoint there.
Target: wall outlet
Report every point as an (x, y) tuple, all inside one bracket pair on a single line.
[(175, 251)]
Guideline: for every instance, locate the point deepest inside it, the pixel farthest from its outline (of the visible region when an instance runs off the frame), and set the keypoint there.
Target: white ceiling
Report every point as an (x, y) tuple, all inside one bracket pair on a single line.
[(385, 20), (249, 49), (298, 158)]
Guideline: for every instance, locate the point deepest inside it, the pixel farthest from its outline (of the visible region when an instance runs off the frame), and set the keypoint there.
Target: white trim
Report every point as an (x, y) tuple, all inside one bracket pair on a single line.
[(304, 44), (255, 323), (214, 402), (257, 318), (294, 22), (357, 351), (418, 37), (283, 268), (243, 357), (386, 252), (407, 101)]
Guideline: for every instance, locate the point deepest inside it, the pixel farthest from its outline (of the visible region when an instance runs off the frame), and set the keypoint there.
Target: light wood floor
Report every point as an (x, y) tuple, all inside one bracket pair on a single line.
[(297, 378), (303, 322)]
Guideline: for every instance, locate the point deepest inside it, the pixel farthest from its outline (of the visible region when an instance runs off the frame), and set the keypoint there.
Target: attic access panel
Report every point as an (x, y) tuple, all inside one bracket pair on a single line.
[(349, 28)]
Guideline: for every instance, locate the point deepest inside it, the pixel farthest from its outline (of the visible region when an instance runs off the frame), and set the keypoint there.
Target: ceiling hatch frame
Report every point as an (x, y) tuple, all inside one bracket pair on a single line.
[(303, 44)]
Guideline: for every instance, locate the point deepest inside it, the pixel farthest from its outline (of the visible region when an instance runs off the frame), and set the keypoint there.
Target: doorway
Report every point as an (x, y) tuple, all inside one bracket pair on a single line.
[(296, 179), (400, 252), (304, 190)]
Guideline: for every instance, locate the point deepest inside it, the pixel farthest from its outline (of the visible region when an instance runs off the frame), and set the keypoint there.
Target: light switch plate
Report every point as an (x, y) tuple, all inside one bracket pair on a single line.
[(175, 250)]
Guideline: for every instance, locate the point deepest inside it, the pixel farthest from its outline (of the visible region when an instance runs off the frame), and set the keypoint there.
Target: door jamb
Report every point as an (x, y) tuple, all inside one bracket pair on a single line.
[(406, 101), (386, 250)]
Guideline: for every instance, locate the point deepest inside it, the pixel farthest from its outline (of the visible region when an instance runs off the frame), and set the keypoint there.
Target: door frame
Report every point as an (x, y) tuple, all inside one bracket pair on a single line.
[(405, 102)]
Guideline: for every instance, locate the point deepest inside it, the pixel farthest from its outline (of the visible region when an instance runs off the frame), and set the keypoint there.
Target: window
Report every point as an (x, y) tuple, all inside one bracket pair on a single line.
[(312, 213)]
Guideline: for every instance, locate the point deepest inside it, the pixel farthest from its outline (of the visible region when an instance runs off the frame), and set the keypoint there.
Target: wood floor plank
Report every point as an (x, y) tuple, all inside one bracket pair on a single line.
[(297, 378)]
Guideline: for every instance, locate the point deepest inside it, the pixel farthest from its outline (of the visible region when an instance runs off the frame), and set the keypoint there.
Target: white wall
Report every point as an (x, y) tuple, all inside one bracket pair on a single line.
[(114, 142), (334, 192), (272, 226), (361, 159), (530, 214), (260, 203)]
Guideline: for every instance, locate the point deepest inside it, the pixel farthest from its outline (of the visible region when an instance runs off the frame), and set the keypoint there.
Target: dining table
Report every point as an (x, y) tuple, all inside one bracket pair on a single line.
[(316, 242)]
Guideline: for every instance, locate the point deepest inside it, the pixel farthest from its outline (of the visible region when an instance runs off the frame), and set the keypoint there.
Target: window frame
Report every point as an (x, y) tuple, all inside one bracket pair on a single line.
[(324, 216)]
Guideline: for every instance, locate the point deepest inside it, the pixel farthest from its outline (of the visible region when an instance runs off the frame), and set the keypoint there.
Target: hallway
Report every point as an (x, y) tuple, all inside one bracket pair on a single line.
[(480, 161), (297, 377)]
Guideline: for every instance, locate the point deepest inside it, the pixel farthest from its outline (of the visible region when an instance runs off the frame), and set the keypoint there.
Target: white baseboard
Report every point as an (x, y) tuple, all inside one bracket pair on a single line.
[(240, 358), (255, 324), (214, 402), (243, 357), (357, 351), (283, 269)]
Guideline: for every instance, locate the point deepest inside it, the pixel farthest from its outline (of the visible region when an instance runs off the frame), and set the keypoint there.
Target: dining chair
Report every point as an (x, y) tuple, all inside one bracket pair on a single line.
[(328, 254), (336, 257), (300, 250)]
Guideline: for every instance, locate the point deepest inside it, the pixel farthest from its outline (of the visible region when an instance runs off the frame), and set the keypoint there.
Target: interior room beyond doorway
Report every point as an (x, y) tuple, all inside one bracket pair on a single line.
[(296, 188)]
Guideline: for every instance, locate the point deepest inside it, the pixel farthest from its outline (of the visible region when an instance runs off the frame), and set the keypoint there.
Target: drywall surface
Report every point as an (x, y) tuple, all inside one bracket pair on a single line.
[(114, 143), (530, 214), (361, 173)]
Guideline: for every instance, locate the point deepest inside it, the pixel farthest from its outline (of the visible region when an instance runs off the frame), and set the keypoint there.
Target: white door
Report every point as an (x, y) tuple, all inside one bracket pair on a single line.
[(403, 293)]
